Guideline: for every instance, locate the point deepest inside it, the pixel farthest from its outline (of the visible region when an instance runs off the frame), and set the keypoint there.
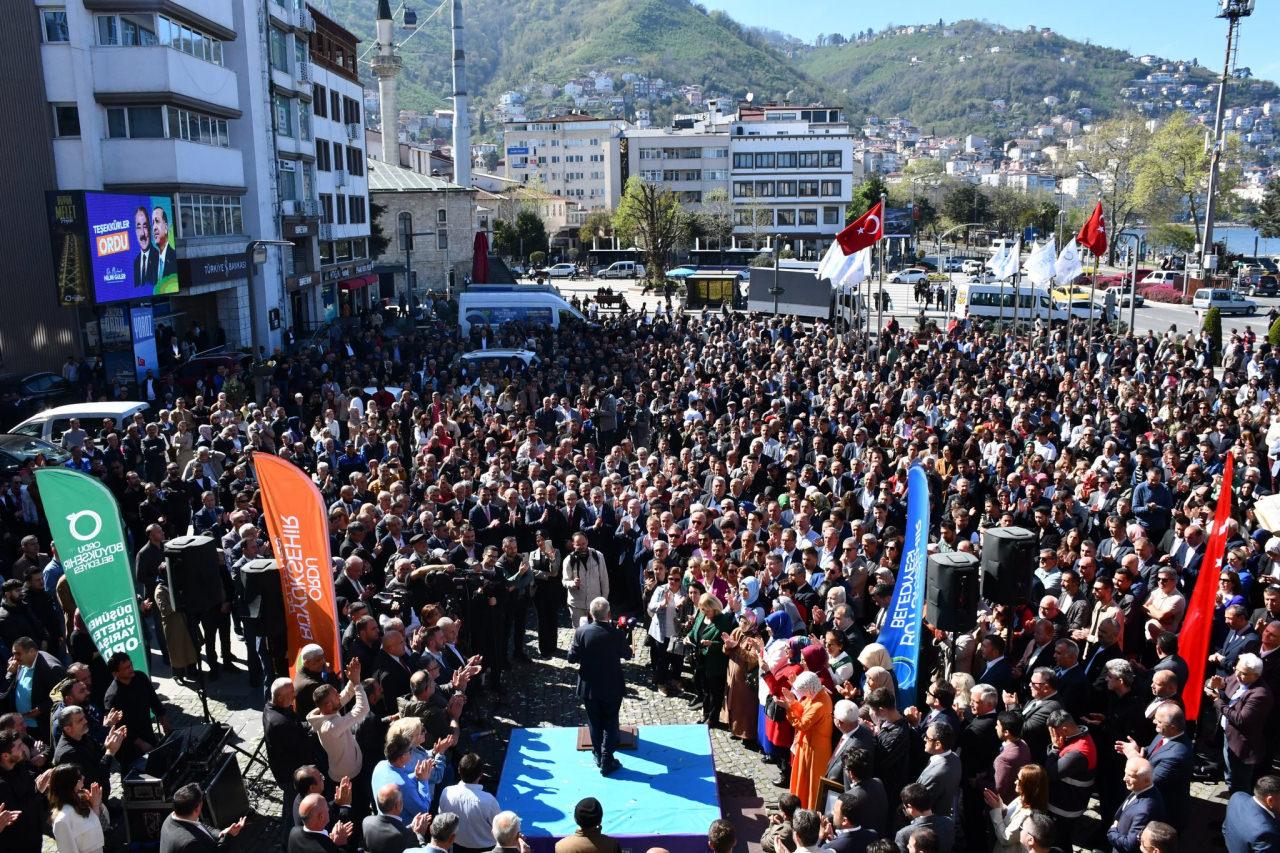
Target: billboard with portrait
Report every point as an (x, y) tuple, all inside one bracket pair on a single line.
[(133, 251)]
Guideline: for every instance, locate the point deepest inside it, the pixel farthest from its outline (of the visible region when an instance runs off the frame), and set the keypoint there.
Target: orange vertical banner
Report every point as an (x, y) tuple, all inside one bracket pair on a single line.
[(1193, 642), (296, 521)]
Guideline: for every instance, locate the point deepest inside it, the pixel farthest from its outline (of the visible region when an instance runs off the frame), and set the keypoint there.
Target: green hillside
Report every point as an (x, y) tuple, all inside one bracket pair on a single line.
[(521, 45)]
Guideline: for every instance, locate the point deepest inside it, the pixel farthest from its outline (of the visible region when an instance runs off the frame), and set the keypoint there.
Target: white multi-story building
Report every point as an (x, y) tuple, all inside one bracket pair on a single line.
[(690, 162), (792, 174)]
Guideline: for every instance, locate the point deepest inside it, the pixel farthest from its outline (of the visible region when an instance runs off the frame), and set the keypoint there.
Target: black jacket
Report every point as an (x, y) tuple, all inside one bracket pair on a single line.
[(289, 746), (301, 841), (387, 834), (90, 756), (599, 649)]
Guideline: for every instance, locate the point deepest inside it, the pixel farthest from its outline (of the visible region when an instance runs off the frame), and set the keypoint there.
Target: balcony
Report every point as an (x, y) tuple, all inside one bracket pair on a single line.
[(353, 130), (339, 178), (326, 231), (302, 72), (123, 74), (132, 162), (306, 22)]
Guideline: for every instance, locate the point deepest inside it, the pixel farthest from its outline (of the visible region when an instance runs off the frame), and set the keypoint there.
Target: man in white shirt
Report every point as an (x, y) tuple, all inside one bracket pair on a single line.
[(475, 807)]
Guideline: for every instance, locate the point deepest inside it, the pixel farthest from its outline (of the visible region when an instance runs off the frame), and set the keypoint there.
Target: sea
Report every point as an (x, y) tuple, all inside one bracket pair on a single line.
[(1241, 239)]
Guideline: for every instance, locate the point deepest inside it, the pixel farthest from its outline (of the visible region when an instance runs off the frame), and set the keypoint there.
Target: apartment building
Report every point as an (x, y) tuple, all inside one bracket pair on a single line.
[(688, 161), (792, 174), (573, 156)]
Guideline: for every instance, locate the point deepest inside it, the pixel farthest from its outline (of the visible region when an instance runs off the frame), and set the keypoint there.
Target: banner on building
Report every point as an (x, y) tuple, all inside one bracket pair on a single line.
[(298, 525), (85, 521), (67, 231), (145, 358), (901, 632)]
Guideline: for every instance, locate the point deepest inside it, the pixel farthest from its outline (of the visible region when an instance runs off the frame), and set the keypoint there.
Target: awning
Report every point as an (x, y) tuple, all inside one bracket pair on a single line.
[(358, 282)]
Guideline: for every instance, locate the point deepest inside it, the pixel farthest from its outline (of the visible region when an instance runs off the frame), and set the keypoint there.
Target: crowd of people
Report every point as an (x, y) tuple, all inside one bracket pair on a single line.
[(737, 486)]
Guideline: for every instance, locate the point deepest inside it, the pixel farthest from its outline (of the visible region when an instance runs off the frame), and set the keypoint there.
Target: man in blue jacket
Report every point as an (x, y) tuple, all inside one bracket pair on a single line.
[(1143, 805), (1251, 825), (1172, 760), (598, 649)]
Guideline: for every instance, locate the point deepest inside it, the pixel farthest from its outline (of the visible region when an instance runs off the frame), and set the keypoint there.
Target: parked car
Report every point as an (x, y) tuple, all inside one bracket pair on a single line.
[(622, 269), (52, 423), (1226, 301), (17, 450), (561, 271), (971, 267), (983, 277), (23, 394), (1124, 295), (506, 360), (1260, 284), (910, 275), (1169, 277)]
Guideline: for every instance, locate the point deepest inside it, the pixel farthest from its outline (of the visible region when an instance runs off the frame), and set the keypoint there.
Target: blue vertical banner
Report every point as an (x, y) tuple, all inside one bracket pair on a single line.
[(142, 323), (901, 632)]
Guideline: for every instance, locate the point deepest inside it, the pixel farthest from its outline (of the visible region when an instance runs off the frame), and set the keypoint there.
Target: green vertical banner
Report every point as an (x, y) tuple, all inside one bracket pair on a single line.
[(85, 521)]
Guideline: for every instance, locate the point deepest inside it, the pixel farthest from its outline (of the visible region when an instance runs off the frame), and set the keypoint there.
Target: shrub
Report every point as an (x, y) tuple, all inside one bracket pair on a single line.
[(1213, 325), (1273, 335), (1164, 293), (537, 259)]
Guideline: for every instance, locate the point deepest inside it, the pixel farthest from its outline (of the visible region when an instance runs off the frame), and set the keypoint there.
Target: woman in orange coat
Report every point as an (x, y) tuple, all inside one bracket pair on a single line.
[(811, 717)]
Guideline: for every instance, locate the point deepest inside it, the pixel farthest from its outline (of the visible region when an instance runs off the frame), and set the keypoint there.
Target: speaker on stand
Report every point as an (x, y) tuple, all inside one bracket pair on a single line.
[(951, 597)]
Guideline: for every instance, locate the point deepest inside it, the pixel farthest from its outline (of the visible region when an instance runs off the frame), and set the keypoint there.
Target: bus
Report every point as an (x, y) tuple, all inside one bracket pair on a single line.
[(992, 301)]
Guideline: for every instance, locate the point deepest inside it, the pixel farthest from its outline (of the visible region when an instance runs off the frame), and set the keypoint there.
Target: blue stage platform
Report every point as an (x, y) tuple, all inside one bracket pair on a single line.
[(665, 794)]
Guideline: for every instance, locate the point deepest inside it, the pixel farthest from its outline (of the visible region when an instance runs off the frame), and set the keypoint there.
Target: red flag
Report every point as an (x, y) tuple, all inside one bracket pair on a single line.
[(864, 231), (1093, 234), (1193, 644)]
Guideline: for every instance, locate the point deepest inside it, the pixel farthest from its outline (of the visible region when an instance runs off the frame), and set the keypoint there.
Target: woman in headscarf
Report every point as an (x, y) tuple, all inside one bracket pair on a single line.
[(771, 656), (739, 712), (815, 660), (811, 716), (876, 655), (748, 595), (777, 723)]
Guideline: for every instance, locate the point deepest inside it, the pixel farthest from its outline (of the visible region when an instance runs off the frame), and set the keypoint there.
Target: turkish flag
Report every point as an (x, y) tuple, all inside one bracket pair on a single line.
[(1093, 234), (864, 231)]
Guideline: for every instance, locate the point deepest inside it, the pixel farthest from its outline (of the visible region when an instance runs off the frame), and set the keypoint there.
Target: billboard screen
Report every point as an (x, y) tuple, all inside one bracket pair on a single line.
[(132, 246), (70, 255), (897, 222)]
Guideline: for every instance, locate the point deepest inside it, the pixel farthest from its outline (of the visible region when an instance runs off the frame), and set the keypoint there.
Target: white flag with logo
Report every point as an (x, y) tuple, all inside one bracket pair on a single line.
[(853, 274), (998, 260), (1069, 265), (1042, 262), (1012, 261), (832, 259)]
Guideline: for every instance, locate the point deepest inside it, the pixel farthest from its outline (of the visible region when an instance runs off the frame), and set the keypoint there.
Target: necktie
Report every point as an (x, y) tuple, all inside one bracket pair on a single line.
[(1156, 746), (145, 255)]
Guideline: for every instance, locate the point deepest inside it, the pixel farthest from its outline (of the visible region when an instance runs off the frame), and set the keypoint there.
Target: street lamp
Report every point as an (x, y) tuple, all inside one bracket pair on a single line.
[(406, 244), (1133, 275), (1233, 11), (257, 252)]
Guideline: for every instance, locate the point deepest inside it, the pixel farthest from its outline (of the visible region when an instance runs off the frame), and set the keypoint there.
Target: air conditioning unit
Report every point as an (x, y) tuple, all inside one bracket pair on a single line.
[(311, 207), (289, 207), (304, 72), (340, 178), (353, 130), (326, 231)]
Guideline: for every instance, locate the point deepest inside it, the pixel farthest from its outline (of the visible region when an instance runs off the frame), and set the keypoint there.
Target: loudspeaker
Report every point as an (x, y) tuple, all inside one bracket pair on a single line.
[(1008, 558), (195, 574), (263, 598), (951, 591)]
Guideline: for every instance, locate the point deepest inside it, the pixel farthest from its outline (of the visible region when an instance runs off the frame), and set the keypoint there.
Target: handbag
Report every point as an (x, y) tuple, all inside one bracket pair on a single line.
[(676, 646), (773, 711)]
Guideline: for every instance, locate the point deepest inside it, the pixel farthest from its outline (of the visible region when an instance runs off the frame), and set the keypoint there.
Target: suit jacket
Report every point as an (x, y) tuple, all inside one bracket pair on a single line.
[(942, 779), (393, 675), (180, 836), (46, 672), (301, 841), (1073, 690), (167, 260), (1178, 666), (1035, 725), (978, 748), (1234, 645), (344, 587), (851, 840), (1000, 676), (861, 736), (1246, 718), (1172, 762), (153, 262), (598, 649), (289, 746), (1248, 826), (1132, 817), (386, 834)]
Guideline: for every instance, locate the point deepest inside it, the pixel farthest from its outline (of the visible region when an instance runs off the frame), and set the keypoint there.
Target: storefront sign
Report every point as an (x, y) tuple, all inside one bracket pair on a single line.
[(364, 268), (298, 229), (295, 282), (215, 269), (145, 358)]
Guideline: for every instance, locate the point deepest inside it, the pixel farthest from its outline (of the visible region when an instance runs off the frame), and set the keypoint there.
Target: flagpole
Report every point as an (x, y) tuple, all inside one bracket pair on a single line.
[(1001, 280), (880, 301), (1093, 292)]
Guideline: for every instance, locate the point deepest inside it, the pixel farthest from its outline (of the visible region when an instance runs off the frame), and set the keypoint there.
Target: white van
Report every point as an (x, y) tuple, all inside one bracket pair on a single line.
[(52, 423), (1169, 277), (991, 301), (622, 269), (495, 304)]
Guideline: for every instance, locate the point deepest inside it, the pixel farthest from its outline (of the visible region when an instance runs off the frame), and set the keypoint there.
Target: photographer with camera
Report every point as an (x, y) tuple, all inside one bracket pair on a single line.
[(585, 576), (599, 648)]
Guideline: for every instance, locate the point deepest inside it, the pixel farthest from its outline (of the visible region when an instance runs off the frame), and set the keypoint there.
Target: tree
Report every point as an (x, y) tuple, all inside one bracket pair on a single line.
[(506, 242), (1213, 325), (531, 234), (866, 195), (1010, 209), (1173, 172), (597, 224), (490, 159), (717, 216), (378, 239), (537, 259), (651, 218), (965, 203), (1172, 238), (1109, 155), (1267, 217), (1273, 334)]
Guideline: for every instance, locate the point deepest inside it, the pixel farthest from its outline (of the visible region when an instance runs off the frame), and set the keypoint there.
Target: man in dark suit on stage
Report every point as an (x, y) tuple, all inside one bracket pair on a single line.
[(182, 831), (314, 836), (598, 649)]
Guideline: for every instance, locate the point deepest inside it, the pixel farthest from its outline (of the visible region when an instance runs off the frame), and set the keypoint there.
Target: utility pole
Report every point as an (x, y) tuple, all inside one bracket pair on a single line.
[(1233, 11), (880, 299), (775, 290)]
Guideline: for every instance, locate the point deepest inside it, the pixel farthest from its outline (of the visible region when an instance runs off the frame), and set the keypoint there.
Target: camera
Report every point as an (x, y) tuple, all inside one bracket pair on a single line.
[(628, 623)]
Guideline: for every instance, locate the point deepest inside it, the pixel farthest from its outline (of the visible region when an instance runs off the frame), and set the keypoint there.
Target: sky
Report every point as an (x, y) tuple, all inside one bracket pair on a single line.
[(1174, 29)]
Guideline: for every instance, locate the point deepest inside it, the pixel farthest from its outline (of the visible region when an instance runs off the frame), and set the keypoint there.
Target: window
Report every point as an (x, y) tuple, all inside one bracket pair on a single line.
[(191, 126), (304, 121), (653, 176), (742, 161), (135, 30), (288, 179), (284, 115), (355, 161), (786, 217), (335, 105), (341, 206), (830, 216), (278, 43), (786, 160), (66, 120), (299, 51), (786, 188), (209, 215), (808, 159), (831, 188), (808, 216), (322, 155), (326, 208), (442, 216), (764, 161), (321, 105), (356, 203), (442, 240), (716, 174), (831, 159), (764, 189), (350, 111), (808, 189), (716, 153), (54, 24), (742, 189)]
